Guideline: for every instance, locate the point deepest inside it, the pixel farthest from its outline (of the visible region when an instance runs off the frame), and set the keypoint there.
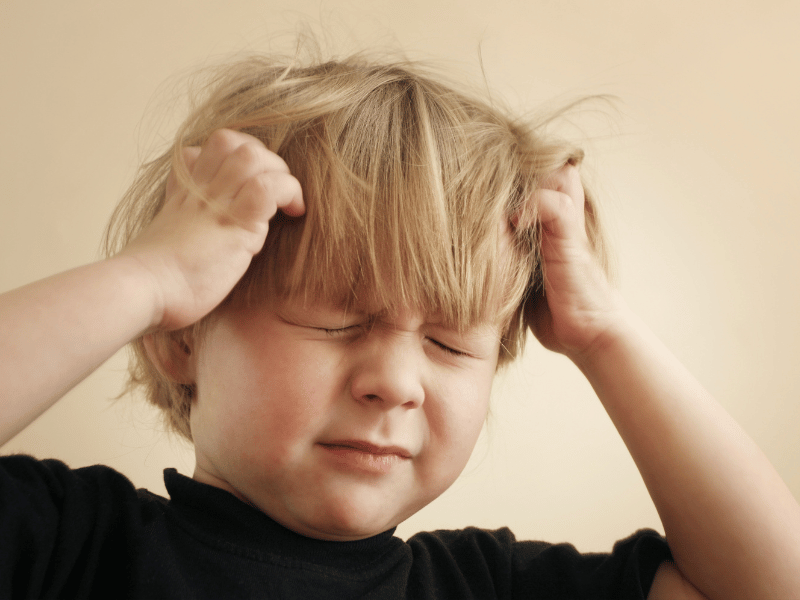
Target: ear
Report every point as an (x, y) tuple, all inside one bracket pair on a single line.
[(173, 355)]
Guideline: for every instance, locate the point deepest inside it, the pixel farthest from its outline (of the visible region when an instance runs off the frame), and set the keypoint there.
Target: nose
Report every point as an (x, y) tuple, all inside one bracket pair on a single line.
[(389, 370)]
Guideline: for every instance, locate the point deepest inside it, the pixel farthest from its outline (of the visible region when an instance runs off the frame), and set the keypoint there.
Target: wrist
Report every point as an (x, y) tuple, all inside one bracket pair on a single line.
[(140, 284), (619, 332)]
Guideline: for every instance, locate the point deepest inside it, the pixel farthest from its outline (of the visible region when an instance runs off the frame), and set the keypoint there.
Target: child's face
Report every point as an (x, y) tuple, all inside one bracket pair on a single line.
[(338, 434)]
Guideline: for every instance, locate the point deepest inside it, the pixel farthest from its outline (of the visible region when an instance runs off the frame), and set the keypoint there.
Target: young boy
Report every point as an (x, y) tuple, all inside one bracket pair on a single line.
[(334, 373)]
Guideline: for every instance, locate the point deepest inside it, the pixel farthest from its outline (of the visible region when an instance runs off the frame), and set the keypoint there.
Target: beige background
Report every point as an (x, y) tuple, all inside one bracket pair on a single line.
[(697, 165)]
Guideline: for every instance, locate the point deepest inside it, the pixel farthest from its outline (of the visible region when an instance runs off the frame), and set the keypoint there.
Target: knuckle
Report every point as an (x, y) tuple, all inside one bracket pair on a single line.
[(265, 185), (258, 193), (276, 161), (223, 140), (250, 154), (566, 203), (263, 194), (249, 200)]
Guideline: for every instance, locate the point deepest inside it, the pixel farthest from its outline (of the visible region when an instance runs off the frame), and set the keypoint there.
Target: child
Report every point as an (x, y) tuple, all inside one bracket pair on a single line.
[(335, 381)]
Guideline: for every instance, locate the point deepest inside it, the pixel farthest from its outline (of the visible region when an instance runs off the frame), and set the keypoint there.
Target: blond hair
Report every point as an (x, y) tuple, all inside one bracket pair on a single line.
[(406, 181)]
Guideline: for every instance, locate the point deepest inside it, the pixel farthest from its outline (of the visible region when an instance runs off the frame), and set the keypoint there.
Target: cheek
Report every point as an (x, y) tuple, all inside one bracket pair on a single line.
[(456, 420), (469, 417), (275, 402)]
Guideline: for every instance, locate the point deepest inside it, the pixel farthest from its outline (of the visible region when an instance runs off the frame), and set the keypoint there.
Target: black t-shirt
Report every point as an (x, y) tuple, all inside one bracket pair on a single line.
[(88, 533)]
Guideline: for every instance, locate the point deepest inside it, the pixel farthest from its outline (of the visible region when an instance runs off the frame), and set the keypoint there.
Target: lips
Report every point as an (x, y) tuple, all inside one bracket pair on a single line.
[(364, 457), (369, 448)]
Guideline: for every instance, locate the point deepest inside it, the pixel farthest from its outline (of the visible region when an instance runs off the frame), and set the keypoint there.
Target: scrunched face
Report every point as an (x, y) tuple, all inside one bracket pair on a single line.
[(338, 423), (348, 407)]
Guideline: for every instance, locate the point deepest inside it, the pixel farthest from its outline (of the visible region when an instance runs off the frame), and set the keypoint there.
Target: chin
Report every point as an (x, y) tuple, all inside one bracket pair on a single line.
[(349, 523), (351, 518)]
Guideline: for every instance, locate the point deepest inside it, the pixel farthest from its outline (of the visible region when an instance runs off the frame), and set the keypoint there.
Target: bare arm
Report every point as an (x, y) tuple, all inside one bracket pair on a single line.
[(54, 332), (732, 524), (730, 521)]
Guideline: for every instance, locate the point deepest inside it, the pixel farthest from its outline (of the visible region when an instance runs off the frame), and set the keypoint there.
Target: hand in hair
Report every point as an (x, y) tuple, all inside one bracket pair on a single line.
[(578, 305), (214, 220), (726, 513), (58, 330)]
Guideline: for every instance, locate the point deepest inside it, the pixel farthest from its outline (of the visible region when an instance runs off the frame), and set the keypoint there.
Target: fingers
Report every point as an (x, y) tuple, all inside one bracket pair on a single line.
[(229, 159), (220, 145), (282, 190), (560, 216), (248, 181), (567, 181), (558, 204)]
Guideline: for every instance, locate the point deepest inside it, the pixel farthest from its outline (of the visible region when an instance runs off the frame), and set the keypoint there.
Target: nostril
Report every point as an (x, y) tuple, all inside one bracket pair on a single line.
[(371, 397)]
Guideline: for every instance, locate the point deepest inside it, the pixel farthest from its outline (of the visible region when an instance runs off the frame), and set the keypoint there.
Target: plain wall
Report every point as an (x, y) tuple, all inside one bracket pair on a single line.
[(696, 165)]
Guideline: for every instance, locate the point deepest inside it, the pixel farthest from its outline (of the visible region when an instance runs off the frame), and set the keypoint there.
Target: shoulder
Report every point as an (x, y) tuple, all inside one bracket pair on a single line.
[(65, 527), (43, 493), (551, 570), (43, 483)]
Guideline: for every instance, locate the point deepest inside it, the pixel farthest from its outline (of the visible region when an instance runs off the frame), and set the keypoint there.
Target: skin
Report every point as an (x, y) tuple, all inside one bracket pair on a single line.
[(279, 388), (730, 521), (173, 274)]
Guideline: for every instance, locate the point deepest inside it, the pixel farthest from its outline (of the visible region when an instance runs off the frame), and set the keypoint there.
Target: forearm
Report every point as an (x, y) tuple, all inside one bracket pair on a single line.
[(56, 331), (179, 267), (731, 523)]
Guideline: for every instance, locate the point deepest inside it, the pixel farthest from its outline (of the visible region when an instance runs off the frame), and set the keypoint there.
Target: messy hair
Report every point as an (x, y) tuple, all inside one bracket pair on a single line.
[(406, 182)]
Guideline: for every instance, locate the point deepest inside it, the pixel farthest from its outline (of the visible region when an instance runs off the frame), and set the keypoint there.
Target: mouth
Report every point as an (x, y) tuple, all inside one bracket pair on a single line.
[(365, 457), (368, 448)]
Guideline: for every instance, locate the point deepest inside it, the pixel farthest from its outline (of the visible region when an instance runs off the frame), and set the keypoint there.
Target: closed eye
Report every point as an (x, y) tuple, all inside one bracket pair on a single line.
[(339, 331), (448, 349)]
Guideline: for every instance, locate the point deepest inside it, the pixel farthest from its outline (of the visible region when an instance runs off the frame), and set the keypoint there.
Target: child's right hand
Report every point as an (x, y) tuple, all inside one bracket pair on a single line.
[(182, 265), (203, 239)]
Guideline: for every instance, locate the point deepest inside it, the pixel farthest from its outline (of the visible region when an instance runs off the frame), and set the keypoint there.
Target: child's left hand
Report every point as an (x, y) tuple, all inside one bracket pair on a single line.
[(578, 306), (731, 522)]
